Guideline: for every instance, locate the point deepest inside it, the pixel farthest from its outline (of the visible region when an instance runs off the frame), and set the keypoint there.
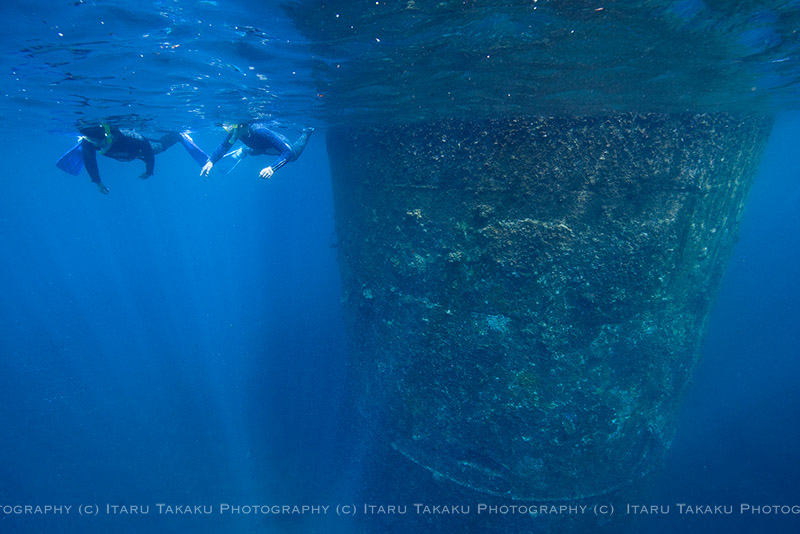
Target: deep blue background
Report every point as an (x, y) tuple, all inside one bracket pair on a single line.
[(180, 341), (176, 341)]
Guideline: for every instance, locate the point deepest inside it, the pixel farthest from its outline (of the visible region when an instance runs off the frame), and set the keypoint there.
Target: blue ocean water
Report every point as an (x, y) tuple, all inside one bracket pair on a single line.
[(177, 340), (180, 341)]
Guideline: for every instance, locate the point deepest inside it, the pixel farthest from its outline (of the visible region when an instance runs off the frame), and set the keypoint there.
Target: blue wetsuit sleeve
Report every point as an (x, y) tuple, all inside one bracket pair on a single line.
[(282, 160), (223, 147), (268, 138), (90, 160)]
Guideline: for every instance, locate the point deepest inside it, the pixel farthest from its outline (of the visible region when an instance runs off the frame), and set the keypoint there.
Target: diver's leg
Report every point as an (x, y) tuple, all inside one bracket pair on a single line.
[(300, 144), (165, 142), (195, 151)]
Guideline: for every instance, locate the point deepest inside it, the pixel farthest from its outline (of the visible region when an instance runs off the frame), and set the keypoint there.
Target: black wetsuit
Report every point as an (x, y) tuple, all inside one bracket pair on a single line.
[(124, 145)]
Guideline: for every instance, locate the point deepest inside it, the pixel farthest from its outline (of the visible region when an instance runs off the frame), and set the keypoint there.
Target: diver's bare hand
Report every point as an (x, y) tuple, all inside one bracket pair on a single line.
[(266, 172), (145, 176), (206, 169), (102, 188)]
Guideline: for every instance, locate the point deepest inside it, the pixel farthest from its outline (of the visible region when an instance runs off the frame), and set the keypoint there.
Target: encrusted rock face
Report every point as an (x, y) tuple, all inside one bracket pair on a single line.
[(526, 298)]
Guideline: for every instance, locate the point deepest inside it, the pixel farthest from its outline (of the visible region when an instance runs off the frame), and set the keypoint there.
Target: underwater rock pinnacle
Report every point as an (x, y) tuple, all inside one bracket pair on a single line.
[(526, 298)]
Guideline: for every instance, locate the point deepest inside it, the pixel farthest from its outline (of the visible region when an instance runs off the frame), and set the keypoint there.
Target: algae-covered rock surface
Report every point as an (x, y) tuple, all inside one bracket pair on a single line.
[(526, 298)]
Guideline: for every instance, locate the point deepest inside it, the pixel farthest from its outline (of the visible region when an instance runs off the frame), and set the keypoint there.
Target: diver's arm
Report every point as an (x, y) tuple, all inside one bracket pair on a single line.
[(224, 147), (276, 141), (149, 160), (282, 160), (90, 162), (89, 153), (221, 150)]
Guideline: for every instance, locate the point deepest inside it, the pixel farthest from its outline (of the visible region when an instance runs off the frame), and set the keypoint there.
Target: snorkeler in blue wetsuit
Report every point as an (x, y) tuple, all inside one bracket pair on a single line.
[(259, 140), (122, 145)]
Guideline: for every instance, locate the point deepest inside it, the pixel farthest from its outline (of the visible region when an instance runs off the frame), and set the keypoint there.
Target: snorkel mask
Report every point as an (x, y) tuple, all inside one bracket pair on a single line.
[(100, 136)]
